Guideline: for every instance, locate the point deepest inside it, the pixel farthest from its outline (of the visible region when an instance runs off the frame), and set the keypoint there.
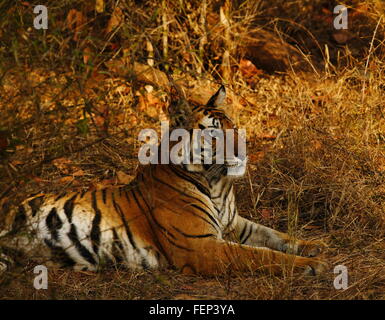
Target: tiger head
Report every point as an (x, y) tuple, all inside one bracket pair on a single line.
[(216, 146)]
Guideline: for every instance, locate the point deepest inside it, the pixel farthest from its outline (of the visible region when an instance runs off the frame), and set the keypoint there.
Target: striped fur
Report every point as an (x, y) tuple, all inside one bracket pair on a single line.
[(179, 215)]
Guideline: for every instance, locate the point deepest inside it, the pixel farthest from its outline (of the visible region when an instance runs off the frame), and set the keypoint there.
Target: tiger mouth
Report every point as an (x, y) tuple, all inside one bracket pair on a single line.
[(234, 163)]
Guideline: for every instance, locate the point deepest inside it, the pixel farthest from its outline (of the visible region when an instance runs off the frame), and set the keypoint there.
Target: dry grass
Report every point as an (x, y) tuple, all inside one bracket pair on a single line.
[(315, 140)]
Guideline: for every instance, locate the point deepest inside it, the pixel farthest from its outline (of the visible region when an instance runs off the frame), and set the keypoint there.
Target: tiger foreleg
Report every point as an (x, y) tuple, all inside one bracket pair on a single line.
[(256, 235)]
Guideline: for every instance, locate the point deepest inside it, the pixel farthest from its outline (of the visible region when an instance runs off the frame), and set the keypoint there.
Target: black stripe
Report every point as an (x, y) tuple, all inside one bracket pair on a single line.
[(83, 193), (117, 247), (144, 263), (54, 223), (223, 204), (190, 179), (206, 235), (248, 235), (226, 190), (165, 232), (179, 191), (95, 230), (136, 186), (127, 196), (149, 209), (193, 204), (59, 254), (206, 213), (62, 195), (232, 218), (83, 251), (198, 216), (246, 232), (243, 232), (35, 204), (154, 220), (69, 207), (138, 203), (104, 195), (178, 246), (119, 210), (19, 220)]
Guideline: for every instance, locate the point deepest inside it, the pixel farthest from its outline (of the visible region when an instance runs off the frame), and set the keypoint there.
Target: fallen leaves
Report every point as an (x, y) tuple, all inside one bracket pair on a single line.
[(256, 157), (99, 6), (121, 178), (150, 103), (76, 22), (69, 169), (65, 180), (124, 178), (342, 36), (116, 20), (316, 144), (249, 71), (63, 164)]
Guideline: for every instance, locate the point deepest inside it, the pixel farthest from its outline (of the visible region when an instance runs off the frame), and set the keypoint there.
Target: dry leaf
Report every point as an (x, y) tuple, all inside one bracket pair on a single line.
[(102, 116), (86, 55), (115, 20), (99, 6), (341, 36), (266, 137), (16, 162), (76, 21), (63, 164), (104, 183), (248, 69), (150, 103), (124, 178), (316, 144), (39, 180), (66, 179), (320, 101), (381, 164), (78, 173), (256, 156), (266, 214)]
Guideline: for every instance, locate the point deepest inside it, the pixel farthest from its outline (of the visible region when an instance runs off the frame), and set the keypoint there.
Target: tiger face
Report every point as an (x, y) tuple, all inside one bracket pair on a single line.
[(215, 143)]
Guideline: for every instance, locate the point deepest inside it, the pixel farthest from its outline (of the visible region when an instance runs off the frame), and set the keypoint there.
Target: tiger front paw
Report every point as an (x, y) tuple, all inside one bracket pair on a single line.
[(311, 248), (315, 267)]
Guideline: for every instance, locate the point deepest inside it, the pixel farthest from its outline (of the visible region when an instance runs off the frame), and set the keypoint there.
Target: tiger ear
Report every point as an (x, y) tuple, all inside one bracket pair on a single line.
[(218, 98), (179, 110)]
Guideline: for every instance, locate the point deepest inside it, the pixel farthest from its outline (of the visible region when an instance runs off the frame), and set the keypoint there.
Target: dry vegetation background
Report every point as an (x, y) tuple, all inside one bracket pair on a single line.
[(74, 97)]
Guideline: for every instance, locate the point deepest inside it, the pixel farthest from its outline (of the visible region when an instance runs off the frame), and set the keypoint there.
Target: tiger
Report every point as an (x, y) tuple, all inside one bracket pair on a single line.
[(182, 216)]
